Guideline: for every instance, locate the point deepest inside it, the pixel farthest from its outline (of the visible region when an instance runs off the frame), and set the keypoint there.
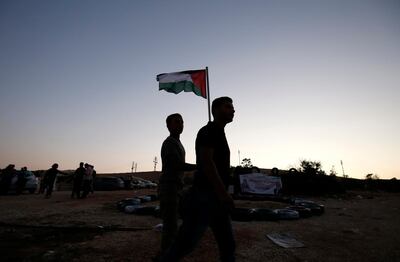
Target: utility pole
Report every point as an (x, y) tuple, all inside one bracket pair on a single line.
[(239, 157), (341, 162), (133, 166), (155, 163)]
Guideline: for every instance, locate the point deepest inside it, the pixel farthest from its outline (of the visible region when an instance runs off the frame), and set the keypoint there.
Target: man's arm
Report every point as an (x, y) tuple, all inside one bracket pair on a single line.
[(61, 172), (172, 157), (210, 171)]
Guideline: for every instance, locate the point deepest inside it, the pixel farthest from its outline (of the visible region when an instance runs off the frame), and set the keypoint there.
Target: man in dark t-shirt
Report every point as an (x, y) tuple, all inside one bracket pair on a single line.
[(209, 203), (212, 136), (171, 185)]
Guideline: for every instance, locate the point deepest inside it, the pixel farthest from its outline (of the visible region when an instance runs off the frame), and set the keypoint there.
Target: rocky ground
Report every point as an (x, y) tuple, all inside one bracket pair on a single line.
[(357, 226)]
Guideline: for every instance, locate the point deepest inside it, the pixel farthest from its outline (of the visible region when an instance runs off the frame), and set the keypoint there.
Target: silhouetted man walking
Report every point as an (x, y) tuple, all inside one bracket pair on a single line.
[(209, 204)]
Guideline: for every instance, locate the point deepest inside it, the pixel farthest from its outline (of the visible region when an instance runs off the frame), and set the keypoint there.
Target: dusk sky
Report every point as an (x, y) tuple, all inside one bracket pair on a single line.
[(315, 80)]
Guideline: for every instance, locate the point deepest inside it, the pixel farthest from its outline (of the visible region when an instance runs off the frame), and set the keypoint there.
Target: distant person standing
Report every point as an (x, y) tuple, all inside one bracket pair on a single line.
[(87, 180), (210, 203), (42, 184), (94, 174), (6, 177), (50, 178), (21, 180), (170, 186), (77, 181)]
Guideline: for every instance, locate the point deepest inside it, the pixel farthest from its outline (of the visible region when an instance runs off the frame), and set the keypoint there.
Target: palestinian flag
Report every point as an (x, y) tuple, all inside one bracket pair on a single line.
[(188, 81)]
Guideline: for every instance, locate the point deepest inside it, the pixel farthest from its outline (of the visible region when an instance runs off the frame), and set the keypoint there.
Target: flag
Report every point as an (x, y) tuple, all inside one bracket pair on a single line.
[(188, 81)]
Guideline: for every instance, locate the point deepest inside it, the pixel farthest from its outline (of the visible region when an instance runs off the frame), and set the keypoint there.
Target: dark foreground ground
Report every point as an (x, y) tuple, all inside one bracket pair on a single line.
[(357, 226)]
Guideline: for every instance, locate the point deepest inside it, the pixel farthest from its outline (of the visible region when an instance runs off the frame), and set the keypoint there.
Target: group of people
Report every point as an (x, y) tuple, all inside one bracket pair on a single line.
[(83, 180), (207, 203), (7, 176)]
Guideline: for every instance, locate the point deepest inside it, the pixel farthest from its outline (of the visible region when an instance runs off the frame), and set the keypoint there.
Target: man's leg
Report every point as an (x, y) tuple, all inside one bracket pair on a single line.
[(78, 188), (222, 228), (169, 214), (42, 185), (73, 188), (92, 186), (85, 188), (195, 223), (19, 187), (50, 186)]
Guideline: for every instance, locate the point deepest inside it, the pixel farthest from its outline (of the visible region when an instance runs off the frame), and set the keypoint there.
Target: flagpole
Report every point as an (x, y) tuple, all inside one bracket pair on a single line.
[(208, 95)]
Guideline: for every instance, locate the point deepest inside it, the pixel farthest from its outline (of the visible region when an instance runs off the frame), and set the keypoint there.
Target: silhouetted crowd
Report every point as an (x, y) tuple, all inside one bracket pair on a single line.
[(14, 181), (83, 180)]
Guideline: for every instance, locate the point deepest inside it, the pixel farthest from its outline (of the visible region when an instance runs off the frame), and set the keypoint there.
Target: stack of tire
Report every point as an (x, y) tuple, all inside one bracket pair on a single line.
[(302, 204), (298, 209), (135, 206)]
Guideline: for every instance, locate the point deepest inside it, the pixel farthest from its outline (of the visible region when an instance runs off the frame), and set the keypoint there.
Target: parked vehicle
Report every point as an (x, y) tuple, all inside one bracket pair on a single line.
[(106, 183)]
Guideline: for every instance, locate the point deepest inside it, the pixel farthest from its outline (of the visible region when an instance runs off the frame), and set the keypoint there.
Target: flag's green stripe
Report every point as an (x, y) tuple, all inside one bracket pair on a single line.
[(177, 87)]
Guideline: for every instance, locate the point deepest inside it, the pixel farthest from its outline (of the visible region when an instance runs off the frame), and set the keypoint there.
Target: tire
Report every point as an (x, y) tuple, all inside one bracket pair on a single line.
[(265, 214), (303, 211), (315, 208), (129, 209), (145, 199), (287, 214), (157, 212), (31, 191), (127, 202), (153, 197), (146, 210), (242, 214)]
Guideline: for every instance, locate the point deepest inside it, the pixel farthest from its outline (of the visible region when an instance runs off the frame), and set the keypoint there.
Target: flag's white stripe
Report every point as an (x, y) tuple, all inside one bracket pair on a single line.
[(174, 77)]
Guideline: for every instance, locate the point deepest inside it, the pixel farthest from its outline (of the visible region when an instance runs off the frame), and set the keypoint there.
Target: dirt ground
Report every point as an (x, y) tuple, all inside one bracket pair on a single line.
[(357, 226)]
